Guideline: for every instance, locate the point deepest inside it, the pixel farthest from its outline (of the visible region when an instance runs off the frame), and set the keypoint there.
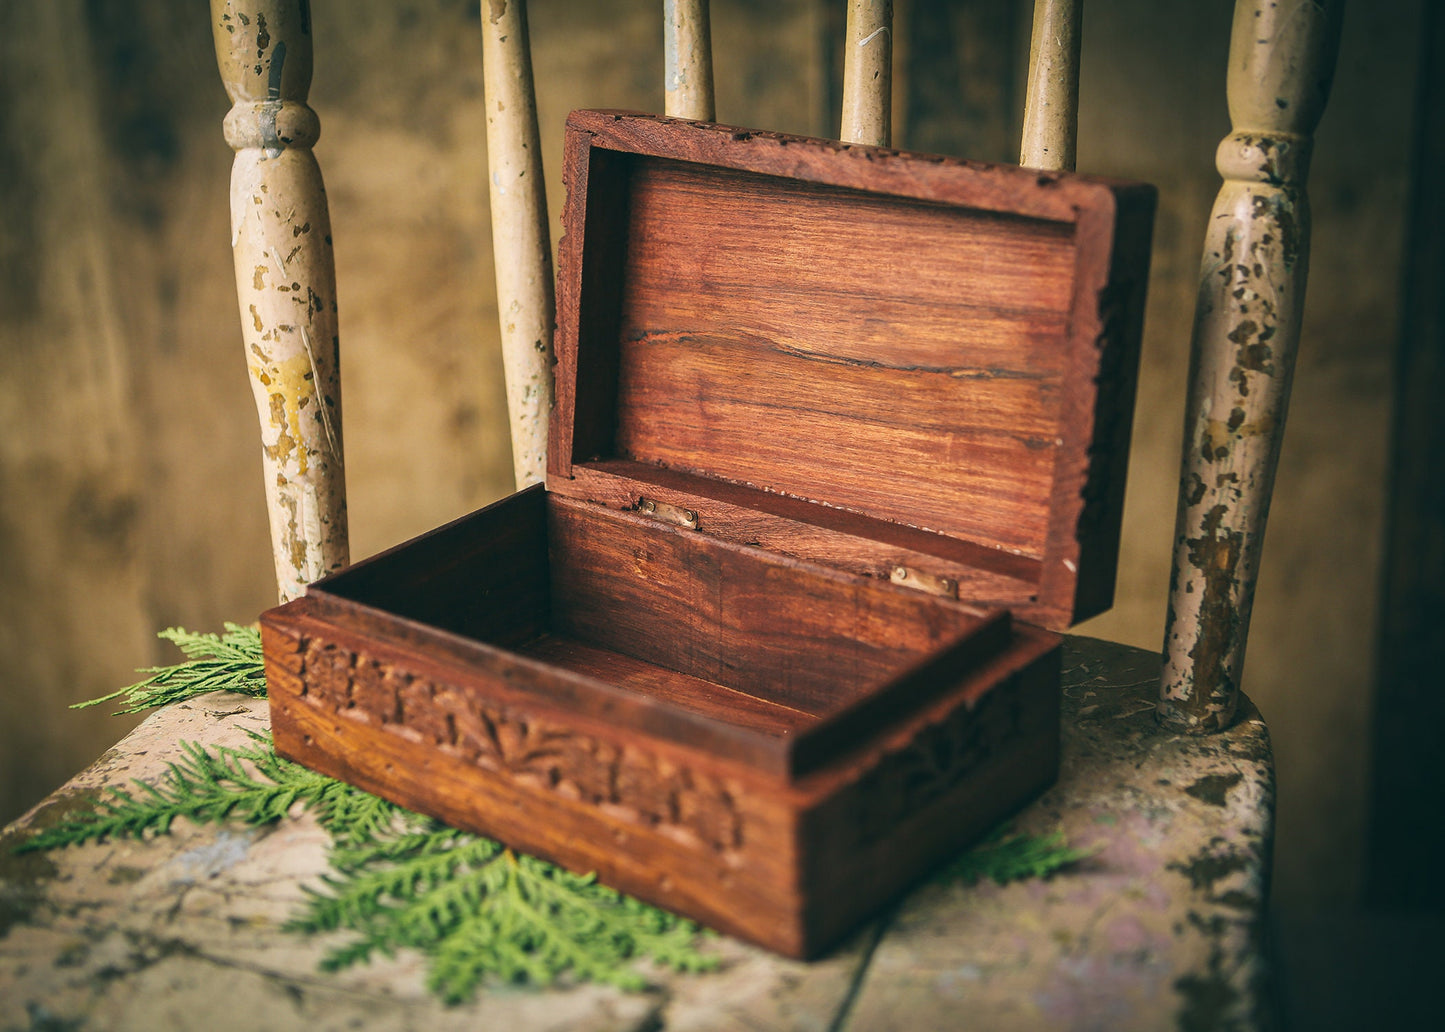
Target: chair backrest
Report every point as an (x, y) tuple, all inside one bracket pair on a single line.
[(1246, 330)]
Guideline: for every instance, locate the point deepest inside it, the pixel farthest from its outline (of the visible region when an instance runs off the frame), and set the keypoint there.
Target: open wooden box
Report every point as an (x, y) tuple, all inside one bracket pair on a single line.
[(839, 432)]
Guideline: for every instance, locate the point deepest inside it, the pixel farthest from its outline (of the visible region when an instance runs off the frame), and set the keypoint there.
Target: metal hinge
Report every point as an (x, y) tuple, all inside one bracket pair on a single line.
[(674, 514), (920, 581)]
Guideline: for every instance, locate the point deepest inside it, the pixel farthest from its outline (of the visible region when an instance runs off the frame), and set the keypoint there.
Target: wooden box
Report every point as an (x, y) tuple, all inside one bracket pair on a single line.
[(839, 434)]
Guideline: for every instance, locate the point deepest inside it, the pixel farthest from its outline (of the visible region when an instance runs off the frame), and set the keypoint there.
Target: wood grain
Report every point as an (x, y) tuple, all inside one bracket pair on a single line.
[(784, 631), (933, 344), (482, 576), (697, 639), (834, 537), (714, 700), (930, 380)]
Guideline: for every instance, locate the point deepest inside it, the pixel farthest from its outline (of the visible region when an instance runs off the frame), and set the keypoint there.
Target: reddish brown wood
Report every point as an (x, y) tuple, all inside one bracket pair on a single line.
[(791, 633), (787, 368), (915, 340), (730, 705), (788, 863), (698, 640), (835, 537)]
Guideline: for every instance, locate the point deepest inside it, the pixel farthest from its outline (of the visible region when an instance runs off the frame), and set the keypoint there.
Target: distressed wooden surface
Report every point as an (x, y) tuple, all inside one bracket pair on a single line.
[(1246, 332), (1051, 104), (687, 60), (285, 281), (868, 73), (521, 247), (1157, 930)]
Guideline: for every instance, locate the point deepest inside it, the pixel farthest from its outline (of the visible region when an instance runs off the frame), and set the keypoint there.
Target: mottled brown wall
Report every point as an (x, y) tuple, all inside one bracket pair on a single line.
[(130, 493)]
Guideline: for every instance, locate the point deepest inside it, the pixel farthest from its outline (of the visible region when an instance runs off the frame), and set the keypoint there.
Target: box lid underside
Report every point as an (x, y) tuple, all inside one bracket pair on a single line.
[(882, 345)]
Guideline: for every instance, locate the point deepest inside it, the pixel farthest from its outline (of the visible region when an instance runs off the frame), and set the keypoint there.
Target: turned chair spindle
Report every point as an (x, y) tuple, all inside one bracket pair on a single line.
[(867, 73), (521, 246), (1247, 323), (687, 60), (285, 281), (1051, 107)]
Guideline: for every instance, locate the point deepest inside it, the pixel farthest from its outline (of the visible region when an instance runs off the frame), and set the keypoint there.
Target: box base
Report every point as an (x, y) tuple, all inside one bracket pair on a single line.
[(789, 863)]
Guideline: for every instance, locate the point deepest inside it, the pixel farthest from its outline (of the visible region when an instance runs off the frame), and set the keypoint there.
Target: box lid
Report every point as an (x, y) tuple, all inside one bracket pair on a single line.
[(907, 366)]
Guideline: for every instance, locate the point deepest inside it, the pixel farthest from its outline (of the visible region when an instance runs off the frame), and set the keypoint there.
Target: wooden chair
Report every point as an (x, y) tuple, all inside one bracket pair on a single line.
[(1247, 322)]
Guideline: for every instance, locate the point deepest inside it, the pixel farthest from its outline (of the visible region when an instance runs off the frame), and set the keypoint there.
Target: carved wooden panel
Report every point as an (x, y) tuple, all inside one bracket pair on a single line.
[(941, 755), (631, 782)]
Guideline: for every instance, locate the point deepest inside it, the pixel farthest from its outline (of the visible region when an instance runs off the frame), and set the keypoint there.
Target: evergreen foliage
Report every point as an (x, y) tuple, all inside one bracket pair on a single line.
[(1006, 855), (251, 784), (399, 880), (214, 662), (481, 911)]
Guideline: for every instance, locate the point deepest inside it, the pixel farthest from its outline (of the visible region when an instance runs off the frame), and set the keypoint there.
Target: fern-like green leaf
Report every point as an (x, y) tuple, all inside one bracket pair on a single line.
[(1006, 855), (215, 662), (252, 785), (479, 911)]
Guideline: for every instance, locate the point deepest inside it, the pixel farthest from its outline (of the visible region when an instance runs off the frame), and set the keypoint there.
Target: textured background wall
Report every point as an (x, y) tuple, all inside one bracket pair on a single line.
[(130, 495)]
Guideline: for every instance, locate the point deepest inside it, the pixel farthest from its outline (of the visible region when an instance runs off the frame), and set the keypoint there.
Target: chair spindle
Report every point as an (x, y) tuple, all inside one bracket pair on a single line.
[(1247, 322), (867, 73), (521, 247), (687, 47), (1051, 107), (285, 281)]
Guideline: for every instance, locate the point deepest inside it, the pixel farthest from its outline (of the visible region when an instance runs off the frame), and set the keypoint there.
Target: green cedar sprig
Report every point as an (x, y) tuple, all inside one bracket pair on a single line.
[(251, 784), (479, 911), (1006, 855), (214, 662), (399, 880)]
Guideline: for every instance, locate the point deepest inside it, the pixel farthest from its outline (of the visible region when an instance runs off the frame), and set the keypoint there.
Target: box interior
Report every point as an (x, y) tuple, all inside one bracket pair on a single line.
[(901, 361), (720, 632)]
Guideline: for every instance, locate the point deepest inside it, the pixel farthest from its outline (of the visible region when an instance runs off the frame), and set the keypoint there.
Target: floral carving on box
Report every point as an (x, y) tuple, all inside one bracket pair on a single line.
[(626, 781)]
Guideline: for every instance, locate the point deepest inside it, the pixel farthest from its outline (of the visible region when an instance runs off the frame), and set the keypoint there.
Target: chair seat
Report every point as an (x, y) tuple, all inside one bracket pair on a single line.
[(1156, 927)]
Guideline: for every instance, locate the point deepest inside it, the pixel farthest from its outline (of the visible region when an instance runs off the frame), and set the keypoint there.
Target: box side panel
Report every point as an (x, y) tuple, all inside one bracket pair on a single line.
[(930, 791), (784, 631), (1121, 330), (791, 866), (805, 530), (659, 824), (483, 575)]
